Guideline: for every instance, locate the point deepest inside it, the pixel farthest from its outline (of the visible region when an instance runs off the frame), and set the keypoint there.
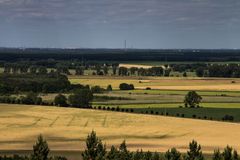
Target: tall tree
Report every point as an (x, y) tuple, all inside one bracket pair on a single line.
[(173, 154), (95, 150), (194, 152), (192, 99), (40, 149)]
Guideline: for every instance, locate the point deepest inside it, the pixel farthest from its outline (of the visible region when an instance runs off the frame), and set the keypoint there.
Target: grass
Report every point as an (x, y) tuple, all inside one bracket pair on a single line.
[(66, 129)]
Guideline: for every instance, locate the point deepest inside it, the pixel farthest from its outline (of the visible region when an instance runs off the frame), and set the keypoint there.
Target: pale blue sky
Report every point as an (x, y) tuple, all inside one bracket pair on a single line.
[(107, 23)]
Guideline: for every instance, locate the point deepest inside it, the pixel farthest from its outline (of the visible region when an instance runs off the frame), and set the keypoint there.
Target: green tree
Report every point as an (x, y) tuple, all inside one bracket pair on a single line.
[(124, 154), (194, 152), (217, 155), (200, 71), (156, 156), (125, 86), (173, 154), (33, 69), (109, 88), (112, 154), (81, 98), (192, 99), (105, 70), (138, 155), (184, 74), (40, 149), (227, 153), (97, 89), (42, 70), (235, 155), (79, 71), (148, 156), (60, 100), (31, 98), (95, 150)]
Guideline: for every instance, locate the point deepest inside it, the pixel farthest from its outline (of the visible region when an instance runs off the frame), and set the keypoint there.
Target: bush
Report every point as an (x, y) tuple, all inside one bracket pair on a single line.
[(31, 98), (97, 89), (228, 118), (109, 88), (118, 109), (60, 100), (125, 86)]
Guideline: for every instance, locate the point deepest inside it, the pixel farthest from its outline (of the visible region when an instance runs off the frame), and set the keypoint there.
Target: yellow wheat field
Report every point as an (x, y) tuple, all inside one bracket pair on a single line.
[(135, 65), (66, 129), (209, 84)]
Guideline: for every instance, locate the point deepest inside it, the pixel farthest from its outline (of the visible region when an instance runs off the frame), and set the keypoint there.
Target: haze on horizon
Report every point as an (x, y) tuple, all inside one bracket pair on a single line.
[(107, 23)]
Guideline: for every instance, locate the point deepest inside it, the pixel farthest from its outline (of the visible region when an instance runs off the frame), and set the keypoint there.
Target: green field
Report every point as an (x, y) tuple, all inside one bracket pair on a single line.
[(220, 96)]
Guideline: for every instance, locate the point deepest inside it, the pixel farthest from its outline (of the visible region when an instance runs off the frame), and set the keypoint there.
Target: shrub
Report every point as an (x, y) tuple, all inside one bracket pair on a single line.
[(97, 89), (109, 88), (60, 100), (125, 86)]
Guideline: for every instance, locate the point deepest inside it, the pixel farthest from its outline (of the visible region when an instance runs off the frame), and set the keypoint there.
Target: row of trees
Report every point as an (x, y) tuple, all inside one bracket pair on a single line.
[(154, 71), (102, 68), (96, 150), (80, 70), (48, 83)]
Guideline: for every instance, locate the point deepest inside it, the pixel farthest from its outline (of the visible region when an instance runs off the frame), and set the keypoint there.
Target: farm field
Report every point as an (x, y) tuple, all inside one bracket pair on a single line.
[(67, 128), (162, 83)]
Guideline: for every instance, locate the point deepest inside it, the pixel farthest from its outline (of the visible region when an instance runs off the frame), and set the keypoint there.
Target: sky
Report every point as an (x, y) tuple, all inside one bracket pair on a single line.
[(156, 24)]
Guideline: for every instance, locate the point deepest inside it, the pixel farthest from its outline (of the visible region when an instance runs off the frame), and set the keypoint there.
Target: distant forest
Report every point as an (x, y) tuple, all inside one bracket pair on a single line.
[(164, 55)]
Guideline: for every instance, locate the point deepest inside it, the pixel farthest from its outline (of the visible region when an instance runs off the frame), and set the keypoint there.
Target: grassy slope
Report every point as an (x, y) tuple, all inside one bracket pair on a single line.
[(65, 129)]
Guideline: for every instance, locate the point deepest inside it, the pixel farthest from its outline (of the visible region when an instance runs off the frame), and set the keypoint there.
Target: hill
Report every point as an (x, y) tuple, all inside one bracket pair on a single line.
[(67, 128)]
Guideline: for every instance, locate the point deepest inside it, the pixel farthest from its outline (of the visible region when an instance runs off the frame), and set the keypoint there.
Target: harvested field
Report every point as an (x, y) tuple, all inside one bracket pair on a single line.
[(203, 84), (135, 65), (67, 128)]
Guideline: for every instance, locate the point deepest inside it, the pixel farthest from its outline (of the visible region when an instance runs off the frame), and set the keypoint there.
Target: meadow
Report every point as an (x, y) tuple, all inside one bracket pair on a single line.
[(66, 129)]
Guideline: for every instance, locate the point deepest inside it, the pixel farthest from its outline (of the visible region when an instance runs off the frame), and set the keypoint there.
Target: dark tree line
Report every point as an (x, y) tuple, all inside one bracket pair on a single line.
[(96, 150), (164, 55), (47, 83)]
